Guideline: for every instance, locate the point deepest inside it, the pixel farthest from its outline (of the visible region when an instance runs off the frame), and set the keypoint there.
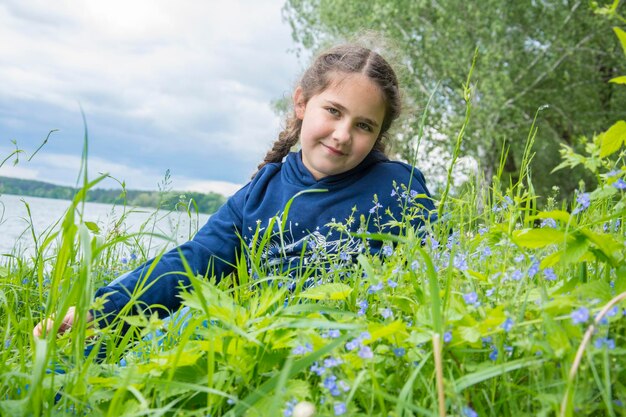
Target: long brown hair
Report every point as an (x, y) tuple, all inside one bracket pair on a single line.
[(347, 59)]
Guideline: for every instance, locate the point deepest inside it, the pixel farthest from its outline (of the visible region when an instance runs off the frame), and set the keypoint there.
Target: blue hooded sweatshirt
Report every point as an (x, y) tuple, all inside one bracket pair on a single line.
[(377, 190)]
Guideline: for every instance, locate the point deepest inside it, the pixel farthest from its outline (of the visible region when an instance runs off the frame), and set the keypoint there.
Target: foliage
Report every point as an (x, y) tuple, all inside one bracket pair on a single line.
[(552, 55), (206, 203)]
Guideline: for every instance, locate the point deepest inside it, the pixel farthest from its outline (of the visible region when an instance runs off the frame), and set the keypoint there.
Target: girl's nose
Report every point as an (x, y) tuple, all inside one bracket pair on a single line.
[(342, 133)]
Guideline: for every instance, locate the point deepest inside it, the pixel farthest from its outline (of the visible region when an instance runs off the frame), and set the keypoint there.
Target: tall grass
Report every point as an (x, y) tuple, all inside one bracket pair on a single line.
[(485, 314)]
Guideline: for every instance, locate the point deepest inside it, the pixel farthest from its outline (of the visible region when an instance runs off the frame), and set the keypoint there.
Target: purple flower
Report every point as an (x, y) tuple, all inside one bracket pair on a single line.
[(386, 313), (302, 350), (319, 370), (604, 341), (124, 261), (517, 275), (620, 184), (549, 274), (548, 223), (490, 292), (376, 207), (340, 409), (333, 333), (508, 324), (366, 352), (387, 250), (375, 288), (469, 412), (331, 362), (289, 405), (363, 304), (494, 353), (344, 256), (483, 230), (391, 283), (399, 352), (447, 337), (352, 344), (583, 202), (415, 265), (580, 315), (460, 263), (534, 268), (330, 382), (471, 298)]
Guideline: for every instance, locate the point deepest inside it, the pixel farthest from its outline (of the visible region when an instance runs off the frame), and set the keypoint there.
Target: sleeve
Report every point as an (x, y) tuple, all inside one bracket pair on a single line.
[(155, 285)]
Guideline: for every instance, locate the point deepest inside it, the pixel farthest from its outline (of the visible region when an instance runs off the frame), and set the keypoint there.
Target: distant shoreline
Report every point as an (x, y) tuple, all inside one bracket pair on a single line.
[(167, 200)]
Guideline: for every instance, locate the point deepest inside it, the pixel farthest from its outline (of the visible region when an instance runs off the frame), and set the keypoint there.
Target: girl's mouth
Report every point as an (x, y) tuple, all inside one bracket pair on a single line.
[(334, 151)]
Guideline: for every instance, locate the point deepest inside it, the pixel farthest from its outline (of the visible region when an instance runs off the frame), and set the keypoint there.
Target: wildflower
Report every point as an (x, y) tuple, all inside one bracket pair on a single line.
[(415, 265), (343, 385), (620, 184), (486, 251), (332, 362), (447, 337), (352, 344), (394, 193), (289, 405), (363, 305), (344, 256), (580, 315), (330, 382), (517, 275), (549, 274), (490, 292), (583, 202), (483, 230), (508, 201), (319, 370), (604, 341), (387, 250), (471, 298), (364, 336), (613, 311), (508, 348), (332, 333), (508, 324), (494, 353), (549, 222), (133, 256), (460, 263), (375, 288), (519, 258), (340, 409), (124, 261), (469, 412), (366, 352), (302, 350), (25, 281), (413, 193), (399, 351), (386, 313), (486, 340), (534, 268), (376, 207), (391, 283)]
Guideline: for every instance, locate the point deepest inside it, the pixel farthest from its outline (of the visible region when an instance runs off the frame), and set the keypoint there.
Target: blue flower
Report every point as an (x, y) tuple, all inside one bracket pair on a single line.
[(583, 202), (604, 341), (519, 258), (471, 298), (340, 409), (344, 256), (460, 263), (620, 184), (331, 362), (289, 405), (375, 288), (483, 230), (415, 265), (352, 344), (494, 353), (549, 222), (332, 333), (391, 283), (319, 370), (508, 324), (534, 268), (376, 207), (490, 292), (399, 351), (302, 350), (469, 412), (580, 315), (447, 337), (330, 382), (386, 313), (517, 275), (549, 274), (363, 305), (124, 261), (366, 352), (387, 250), (133, 256)]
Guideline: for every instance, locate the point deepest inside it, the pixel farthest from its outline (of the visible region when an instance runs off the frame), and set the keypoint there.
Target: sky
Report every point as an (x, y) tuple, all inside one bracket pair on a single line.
[(183, 85)]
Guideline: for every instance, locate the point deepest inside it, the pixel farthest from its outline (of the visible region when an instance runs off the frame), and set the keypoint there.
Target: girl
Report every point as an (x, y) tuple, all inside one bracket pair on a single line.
[(343, 108)]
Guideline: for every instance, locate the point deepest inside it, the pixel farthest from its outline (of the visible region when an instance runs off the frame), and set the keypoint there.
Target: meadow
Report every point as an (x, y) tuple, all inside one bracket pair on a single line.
[(512, 304)]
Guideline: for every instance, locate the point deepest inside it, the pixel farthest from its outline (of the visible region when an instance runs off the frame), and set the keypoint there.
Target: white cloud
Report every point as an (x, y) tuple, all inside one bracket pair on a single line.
[(190, 74)]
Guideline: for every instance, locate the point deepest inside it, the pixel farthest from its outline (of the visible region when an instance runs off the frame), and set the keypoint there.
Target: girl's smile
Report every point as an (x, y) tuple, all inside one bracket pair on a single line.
[(340, 125)]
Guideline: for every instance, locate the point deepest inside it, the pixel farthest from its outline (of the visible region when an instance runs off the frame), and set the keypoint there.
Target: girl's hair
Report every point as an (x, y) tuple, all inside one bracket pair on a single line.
[(347, 59)]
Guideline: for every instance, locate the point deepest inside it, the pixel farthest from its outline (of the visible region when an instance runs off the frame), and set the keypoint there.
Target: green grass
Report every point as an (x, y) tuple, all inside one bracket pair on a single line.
[(508, 296)]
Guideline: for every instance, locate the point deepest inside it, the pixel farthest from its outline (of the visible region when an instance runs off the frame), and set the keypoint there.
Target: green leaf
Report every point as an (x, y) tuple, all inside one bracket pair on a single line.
[(93, 227), (621, 35), (612, 139), (492, 372), (538, 238), (618, 80), (327, 292), (558, 215), (469, 334)]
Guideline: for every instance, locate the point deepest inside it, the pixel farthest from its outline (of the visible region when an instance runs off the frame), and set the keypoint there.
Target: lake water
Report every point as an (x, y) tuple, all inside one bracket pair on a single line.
[(15, 225)]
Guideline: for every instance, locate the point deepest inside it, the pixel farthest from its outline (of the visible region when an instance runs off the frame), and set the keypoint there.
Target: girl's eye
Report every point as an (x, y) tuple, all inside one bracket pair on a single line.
[(365, 127), (332, 111)]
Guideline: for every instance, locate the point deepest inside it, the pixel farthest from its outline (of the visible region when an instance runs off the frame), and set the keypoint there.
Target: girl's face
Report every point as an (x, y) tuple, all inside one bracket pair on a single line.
[(340, 125)]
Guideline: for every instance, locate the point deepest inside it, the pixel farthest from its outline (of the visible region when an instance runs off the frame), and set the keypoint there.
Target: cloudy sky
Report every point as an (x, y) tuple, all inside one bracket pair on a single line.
[(181, 85)]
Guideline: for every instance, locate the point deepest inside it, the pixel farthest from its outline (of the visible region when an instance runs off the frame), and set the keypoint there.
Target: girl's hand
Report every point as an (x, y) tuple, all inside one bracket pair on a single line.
[(67, 323)]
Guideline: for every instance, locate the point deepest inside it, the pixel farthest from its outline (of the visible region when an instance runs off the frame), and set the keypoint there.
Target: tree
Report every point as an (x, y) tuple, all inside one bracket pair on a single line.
[(549, 54)]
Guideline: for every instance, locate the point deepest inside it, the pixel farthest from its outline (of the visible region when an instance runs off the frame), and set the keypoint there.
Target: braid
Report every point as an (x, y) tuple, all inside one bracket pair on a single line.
[(286, 140)]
